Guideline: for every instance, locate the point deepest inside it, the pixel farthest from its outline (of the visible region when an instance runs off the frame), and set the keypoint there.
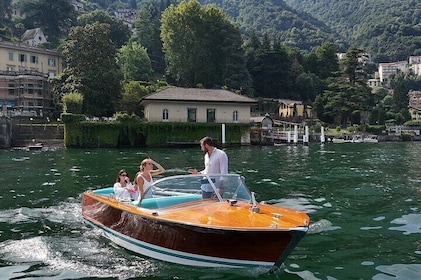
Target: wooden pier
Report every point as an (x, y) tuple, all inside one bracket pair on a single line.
[(284, 136)]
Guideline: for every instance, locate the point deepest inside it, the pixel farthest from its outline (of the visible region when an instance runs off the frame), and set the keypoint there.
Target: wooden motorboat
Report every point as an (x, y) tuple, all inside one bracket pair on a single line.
[(172, 222)]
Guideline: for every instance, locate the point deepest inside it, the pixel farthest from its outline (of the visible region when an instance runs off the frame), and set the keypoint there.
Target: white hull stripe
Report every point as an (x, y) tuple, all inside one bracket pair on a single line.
[(174, 256)]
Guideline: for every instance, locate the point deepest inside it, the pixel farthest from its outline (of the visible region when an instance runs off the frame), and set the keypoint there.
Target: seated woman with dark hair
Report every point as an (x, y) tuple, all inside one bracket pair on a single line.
[(123, 188)]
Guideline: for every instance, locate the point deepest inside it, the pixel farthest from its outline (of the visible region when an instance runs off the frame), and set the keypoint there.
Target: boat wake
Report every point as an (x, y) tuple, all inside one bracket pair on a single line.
[(72, 258), (320, 226), (56, 243)]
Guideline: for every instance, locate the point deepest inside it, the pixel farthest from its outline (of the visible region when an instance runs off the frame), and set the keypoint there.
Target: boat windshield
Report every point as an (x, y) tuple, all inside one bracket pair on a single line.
[(185, 188)]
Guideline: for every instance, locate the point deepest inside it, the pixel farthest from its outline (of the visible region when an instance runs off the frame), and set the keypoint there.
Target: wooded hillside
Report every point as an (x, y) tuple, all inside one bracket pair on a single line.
[(389, 30)]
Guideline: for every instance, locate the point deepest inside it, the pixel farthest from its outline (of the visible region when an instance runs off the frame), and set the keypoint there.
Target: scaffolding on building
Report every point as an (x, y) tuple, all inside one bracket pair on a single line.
[(26, 92)]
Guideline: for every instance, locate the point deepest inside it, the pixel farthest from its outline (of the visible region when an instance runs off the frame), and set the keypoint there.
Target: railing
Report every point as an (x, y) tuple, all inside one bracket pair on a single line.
[(23, 72)]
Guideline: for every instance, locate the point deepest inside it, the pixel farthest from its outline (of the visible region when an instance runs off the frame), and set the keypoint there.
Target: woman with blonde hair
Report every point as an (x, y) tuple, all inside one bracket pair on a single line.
[(144, 178)]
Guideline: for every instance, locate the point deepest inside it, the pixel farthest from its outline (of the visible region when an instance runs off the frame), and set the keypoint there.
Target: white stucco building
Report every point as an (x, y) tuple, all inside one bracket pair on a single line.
[(34, 37)]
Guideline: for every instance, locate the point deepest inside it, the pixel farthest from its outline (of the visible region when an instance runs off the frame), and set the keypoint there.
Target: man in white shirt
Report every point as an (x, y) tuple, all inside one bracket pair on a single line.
[(216, 162)]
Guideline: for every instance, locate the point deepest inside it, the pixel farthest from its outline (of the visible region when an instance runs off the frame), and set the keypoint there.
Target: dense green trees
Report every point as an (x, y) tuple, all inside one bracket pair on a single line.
[(202, 47), (148, 34), (54, 17), (91, 69), (283, 53), (284, 24), (270, 67), (133, 91), (347, 95), (119, 32), (135, 63), (281, 72), (388, 30), (5, 18)]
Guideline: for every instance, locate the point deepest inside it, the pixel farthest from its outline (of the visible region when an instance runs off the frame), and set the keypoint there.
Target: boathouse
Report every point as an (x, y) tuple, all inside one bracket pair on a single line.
[(198, 105)]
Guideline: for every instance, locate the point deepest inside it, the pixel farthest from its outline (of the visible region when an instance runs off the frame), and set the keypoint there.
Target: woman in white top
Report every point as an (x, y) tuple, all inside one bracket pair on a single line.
[(144, 178), (123, 188)]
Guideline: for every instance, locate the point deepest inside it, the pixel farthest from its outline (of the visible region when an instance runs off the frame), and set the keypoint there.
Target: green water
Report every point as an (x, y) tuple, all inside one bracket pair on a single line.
[(363, 200)]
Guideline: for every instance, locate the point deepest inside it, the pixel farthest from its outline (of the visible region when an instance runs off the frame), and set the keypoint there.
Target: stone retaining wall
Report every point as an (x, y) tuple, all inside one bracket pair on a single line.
[(47, 134)]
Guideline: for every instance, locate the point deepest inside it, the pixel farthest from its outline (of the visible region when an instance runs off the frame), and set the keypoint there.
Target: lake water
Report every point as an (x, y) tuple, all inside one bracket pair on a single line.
[(363, 200)]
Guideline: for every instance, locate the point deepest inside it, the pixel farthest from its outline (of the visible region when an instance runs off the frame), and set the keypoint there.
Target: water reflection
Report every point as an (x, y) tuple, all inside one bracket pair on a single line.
[(411, 224), (398, 271)]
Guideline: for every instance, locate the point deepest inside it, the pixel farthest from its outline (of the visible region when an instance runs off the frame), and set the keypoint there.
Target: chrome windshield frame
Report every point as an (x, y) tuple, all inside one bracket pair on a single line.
[(224, 186)]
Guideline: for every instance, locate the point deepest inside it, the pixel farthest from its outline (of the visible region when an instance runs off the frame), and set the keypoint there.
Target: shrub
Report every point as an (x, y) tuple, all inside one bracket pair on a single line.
[(124, 117), (376, 129), (72, 103), (72, 118), (413, 123)]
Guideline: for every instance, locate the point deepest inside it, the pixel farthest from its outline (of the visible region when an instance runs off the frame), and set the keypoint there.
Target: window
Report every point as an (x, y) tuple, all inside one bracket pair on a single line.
[(30, 88), (210, 115), (30, 104), (51, 74), (22, 57), (191, 114), (11, 89), (11, 56), (34, 59), (10, 68), (51, 61), (235, 116), (165, 114)]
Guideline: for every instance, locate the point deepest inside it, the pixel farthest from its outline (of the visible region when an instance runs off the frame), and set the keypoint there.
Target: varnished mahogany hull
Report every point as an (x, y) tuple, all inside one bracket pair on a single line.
[(187, 243)]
